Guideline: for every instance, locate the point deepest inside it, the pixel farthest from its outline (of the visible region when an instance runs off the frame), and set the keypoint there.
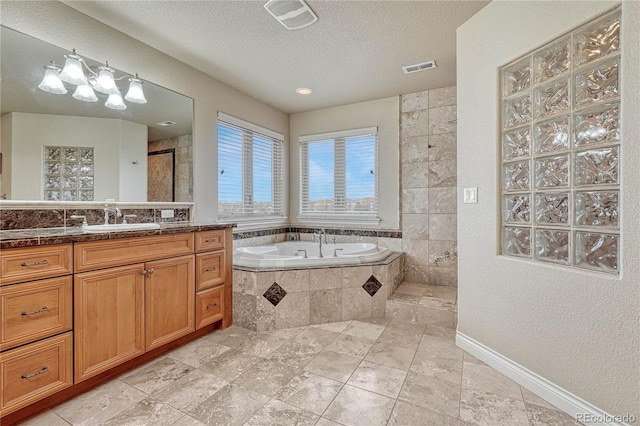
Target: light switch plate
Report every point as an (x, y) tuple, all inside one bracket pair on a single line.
[(166, 214), (471, 195)]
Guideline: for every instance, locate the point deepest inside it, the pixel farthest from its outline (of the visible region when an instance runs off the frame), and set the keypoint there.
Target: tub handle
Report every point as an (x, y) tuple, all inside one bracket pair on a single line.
[(305, 253), (335, 252)]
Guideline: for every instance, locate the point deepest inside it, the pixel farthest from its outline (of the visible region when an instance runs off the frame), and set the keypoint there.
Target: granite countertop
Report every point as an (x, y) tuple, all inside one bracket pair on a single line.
[(45, 236)]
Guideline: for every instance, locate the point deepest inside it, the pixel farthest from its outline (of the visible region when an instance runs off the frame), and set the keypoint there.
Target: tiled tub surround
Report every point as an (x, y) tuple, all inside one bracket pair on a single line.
[(16, 215), (272, 300), (428, 182)]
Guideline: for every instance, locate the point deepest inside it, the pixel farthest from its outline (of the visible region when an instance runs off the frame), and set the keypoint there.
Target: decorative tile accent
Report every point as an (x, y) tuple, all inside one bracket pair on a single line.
[(275, 294), (372, 286)]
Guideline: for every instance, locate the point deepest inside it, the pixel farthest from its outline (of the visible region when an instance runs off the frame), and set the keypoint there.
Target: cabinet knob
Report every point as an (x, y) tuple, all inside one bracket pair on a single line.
[(43, 370), (143, 272), (150, 271)]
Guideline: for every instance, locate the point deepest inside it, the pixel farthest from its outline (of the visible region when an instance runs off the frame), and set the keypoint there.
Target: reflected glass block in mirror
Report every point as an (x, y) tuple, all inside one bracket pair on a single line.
[(597, 208), (597, 166), (517, 208), (552, 245), (67, 169), (517, 77), (516, 176), (597, 125), (517, 111), (516, 143), (552, 172), (598, 40), (552, 61), (596, 251), (517, 241), (552, 135), (551, 99), (552, 208), (596, 83)]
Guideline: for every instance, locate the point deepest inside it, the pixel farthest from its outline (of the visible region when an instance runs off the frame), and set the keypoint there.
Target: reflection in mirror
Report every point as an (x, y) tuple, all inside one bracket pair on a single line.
[(57, 147)]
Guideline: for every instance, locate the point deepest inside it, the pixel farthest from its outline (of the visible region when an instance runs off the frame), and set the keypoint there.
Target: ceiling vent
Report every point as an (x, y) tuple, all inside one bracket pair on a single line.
[(410, 69), (293, 14)]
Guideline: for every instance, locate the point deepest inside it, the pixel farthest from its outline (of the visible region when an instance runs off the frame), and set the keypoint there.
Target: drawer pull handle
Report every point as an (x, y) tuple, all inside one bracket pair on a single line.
[(211, 306), (44, 309), (151, 271), (42, 262), (215, 240), (211, 269), (37, 373)]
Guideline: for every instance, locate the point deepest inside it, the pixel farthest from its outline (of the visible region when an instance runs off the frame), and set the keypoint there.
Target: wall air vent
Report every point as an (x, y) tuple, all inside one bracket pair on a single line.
[(409, 69), (293, 14)]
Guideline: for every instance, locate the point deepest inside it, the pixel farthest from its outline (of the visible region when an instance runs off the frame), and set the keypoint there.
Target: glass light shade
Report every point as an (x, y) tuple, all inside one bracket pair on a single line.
[(105, 82), (135, 93), (51, 81), (85, 93), (115, 102), (72, 72)]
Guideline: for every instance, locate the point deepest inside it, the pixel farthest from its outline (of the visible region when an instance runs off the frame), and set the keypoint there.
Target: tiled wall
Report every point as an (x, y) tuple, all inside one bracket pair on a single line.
[(184, 163), (428, 182)]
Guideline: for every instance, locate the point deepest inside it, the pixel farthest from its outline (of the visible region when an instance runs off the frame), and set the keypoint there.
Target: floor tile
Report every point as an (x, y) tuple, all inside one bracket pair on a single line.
[(233, 405), (149, 411), (336, 327), (432, 393), (295, 355), (230, 364), (430, 365), (470, 358), (378, 378), (188, 421), (434, 330), (443, 347), (231, 337), (487, 379), (266, 377), (410, 299), (197, 352), (190, 390), (260, 345), (99, 404), (326, 422), (482, 408), (316, 338), (401, 337), (532, 398), (48, 418), (405, 414), (437, 303), (441, 292), (543, 416), (364, 330), (156, 375), (286, 333), (277, 412), (351, 345), (310, 392), (355, 406), (333, 365), (391, 356), (412, 327), (382, 321), (412, 288)]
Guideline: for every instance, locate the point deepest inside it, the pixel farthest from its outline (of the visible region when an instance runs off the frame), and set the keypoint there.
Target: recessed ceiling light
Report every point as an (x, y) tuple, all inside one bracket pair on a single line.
[(166, 123), (304, 91)]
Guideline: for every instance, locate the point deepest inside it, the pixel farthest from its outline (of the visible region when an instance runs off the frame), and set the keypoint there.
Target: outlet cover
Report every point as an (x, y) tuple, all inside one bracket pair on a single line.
[(166, 214), (471, 195)]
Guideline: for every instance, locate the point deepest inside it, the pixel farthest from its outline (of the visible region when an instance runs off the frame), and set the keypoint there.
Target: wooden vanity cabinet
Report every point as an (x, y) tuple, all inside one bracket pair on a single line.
[(213, 265)]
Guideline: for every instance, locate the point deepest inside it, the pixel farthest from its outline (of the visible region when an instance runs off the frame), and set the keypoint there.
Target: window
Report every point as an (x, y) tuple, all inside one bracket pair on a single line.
[(250, 171), (560, 150), (338, 175)]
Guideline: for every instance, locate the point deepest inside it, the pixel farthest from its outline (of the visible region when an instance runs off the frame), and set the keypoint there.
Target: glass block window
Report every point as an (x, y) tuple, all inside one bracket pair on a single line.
[(68, 173), (560, 148)]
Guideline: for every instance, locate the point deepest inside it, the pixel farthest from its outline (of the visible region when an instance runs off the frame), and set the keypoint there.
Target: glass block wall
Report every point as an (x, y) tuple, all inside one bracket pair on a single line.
[(68, 173), (560, 150)]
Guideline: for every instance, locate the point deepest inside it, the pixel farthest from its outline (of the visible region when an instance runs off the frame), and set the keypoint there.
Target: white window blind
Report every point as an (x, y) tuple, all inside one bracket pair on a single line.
[(250, 170), (338, 174)]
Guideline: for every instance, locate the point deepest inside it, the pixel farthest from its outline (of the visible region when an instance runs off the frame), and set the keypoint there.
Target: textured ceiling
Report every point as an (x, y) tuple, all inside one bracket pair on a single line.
[(354, 53)]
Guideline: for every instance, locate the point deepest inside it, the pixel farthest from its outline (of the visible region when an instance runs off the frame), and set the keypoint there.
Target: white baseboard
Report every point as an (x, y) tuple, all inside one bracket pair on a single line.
[(555, 395)]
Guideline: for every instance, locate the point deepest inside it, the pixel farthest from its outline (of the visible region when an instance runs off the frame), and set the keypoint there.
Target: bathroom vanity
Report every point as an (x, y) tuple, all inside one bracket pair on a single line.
[(78, 309)]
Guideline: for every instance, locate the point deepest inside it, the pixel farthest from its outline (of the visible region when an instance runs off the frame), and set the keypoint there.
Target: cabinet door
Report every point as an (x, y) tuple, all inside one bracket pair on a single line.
[(170, 300), (108, 319)]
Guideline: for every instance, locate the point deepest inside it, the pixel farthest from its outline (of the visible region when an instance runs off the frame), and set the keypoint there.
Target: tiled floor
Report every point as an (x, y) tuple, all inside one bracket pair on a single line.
[(371, 372)]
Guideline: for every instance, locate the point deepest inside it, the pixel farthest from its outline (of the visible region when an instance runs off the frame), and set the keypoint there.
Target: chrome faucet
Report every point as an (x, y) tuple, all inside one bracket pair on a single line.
[(319, 235), (108, 210)]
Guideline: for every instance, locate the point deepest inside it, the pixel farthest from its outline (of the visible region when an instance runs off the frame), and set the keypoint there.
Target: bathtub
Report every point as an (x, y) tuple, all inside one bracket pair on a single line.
[(283, 255)]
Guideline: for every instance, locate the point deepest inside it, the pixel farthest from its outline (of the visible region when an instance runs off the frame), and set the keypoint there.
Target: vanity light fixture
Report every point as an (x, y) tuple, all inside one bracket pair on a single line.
[(102, 80), (304, 91)]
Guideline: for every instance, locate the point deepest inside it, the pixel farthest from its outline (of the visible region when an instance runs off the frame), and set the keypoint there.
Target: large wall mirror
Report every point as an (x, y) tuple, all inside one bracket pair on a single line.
[(55, 147)]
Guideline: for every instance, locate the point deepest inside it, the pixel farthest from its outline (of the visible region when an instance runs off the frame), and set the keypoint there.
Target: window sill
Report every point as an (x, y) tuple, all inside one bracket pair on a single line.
[(255, 223), (339, 220)]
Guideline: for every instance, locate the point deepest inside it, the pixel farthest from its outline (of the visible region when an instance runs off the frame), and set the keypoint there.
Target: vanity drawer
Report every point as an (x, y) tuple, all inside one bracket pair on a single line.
[(209, 306), (210, 270), (33, 372), (209, 240), (125, 251), (32, 263), (34, 310)]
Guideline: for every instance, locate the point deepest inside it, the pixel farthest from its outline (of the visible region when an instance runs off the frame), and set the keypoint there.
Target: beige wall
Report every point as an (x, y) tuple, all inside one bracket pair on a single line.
[(63, 26), (382, 113), (577, 329)]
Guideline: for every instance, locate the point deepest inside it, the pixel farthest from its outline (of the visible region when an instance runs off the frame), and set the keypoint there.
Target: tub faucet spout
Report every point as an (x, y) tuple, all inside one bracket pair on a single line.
[(320, 234)]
